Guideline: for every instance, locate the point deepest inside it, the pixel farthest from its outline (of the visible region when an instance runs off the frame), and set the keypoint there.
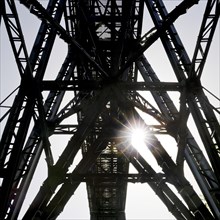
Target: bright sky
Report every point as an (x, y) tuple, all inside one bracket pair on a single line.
[(142, 203)]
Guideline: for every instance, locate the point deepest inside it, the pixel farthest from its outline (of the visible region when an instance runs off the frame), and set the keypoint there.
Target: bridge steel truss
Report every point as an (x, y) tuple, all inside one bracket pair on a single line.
[(101, 69)]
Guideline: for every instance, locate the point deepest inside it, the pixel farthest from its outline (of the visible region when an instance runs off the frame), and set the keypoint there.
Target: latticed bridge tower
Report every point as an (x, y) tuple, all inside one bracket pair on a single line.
[(80, 102)]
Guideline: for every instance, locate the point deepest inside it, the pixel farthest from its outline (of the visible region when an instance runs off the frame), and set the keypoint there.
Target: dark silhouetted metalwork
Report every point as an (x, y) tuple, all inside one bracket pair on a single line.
[(95, 96)]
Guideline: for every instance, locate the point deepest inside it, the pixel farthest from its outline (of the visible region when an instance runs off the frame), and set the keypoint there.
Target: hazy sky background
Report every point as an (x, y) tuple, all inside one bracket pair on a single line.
[(142, 203)]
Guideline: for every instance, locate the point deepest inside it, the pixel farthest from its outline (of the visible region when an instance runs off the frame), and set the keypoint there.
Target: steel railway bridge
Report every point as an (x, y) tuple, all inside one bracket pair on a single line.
[(94, 101)]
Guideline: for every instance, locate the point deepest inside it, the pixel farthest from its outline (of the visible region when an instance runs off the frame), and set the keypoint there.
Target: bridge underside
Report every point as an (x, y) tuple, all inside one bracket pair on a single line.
[(93, 103)]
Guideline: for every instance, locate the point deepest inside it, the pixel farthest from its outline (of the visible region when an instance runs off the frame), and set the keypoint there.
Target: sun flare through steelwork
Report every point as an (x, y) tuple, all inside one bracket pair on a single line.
[(104, 94)]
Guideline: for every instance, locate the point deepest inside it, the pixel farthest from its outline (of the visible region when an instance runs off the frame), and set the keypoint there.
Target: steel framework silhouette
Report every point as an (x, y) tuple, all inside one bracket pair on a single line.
[(95, 100)]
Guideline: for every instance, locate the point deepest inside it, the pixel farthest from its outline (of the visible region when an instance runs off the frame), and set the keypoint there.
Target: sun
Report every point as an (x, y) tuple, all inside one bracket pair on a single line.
[(136, 134), (138, 137)]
